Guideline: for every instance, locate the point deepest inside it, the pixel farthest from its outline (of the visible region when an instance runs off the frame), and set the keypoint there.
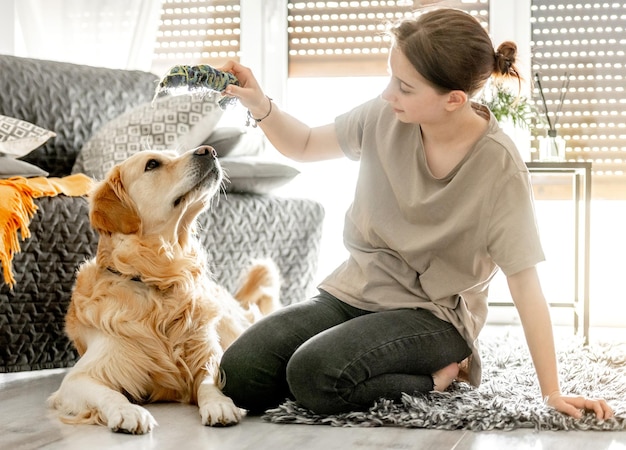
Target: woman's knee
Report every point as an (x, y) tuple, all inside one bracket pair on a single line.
[(304, 378), (315, 383), (234, 371), (301, 371), (253, 367)]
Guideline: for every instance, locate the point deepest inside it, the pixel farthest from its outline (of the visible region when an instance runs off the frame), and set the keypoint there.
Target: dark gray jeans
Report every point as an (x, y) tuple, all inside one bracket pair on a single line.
[(331, 357)]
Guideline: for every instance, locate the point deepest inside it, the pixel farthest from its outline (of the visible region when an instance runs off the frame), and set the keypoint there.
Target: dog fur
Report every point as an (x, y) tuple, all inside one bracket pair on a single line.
[(145, 316)]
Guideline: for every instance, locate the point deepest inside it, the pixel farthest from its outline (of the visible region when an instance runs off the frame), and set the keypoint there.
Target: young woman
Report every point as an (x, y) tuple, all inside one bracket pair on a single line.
[(442, 201)]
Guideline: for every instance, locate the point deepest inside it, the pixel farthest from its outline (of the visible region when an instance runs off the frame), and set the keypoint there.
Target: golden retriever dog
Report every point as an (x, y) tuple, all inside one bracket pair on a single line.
[(149, 323)]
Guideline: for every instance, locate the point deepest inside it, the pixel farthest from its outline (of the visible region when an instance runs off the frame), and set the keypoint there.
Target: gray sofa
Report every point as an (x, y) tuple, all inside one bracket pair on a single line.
[(74, 101)]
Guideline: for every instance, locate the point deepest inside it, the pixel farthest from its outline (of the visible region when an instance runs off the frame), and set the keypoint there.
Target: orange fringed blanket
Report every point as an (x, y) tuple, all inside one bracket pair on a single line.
[(17, 208)]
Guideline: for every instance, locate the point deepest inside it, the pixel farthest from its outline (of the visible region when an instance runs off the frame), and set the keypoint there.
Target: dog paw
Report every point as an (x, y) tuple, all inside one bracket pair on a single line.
[(131, 419), (222, 412)]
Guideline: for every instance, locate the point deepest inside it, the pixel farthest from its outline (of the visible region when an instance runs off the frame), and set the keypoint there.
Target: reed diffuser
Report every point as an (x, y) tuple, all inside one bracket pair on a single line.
[(552, 146)]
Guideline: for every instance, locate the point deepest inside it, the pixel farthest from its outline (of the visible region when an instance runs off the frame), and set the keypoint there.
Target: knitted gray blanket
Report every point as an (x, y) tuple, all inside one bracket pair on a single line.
[(508, 397)]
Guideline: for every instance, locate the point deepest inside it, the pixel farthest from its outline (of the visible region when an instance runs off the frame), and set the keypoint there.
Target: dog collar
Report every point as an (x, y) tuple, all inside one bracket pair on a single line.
[(116, 272)]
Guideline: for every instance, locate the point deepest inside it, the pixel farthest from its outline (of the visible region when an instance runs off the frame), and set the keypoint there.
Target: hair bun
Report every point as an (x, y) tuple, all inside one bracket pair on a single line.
[(505, 58)]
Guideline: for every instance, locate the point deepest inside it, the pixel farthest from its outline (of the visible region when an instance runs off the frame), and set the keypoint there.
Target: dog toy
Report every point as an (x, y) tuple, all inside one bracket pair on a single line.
[(201, 78)]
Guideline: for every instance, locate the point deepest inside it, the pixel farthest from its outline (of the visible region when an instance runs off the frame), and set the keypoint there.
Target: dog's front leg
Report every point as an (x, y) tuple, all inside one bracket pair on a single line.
[(83, 399), (216, 409)]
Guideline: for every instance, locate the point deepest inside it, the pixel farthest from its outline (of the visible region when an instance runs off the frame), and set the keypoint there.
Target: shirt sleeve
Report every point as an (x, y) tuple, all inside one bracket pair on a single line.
[(513, 236), (350, 127)]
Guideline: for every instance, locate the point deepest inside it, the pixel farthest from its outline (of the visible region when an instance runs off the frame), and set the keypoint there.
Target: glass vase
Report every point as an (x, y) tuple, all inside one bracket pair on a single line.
[(552, 148)]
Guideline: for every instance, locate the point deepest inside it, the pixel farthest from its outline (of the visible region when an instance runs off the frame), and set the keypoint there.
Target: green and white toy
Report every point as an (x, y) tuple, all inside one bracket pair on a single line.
[(201, 79)]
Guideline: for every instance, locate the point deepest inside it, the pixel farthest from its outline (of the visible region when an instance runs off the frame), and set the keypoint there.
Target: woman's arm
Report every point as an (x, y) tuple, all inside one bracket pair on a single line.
[(533, 311), (291, 137)]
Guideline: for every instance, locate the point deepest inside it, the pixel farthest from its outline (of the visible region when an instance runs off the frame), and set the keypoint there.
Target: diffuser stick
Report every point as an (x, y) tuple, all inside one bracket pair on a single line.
[(543, 98), (559, 107)]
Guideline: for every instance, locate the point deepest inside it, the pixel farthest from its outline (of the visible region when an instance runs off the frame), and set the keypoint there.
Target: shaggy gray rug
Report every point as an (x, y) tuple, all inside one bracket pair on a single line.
[(508, 397)]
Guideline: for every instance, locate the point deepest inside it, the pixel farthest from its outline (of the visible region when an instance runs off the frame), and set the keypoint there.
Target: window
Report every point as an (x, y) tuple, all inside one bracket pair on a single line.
[(195, 32), (345, 38), (579, 51)]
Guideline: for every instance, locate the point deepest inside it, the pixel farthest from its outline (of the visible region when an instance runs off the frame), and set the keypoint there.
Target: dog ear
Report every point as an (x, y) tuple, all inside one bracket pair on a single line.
[(111, 210)]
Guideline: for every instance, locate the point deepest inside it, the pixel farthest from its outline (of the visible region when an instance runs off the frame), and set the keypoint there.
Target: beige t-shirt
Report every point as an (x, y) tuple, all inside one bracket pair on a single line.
[(416, 241)]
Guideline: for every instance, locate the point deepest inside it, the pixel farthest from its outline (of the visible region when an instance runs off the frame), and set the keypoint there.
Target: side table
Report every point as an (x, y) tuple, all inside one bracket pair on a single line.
[(581, 186)]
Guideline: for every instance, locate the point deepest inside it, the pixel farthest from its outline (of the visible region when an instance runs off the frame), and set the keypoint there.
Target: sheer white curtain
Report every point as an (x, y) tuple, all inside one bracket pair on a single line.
[(109, 33)]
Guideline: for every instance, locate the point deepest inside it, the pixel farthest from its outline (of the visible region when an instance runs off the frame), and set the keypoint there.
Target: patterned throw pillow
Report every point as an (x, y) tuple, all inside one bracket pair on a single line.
[(180, 122), (19, 138)]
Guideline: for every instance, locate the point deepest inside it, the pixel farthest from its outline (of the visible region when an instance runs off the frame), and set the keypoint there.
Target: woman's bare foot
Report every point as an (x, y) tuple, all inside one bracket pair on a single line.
[(444, 377)]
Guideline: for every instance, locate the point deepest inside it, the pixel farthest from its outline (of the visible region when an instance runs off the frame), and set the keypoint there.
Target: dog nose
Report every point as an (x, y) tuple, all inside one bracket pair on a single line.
[(206, 150)]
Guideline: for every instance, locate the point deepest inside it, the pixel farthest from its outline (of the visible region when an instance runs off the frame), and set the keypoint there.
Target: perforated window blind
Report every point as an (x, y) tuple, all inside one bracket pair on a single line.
[(585, 42), (326, 38), (195, 32), (345, 38)]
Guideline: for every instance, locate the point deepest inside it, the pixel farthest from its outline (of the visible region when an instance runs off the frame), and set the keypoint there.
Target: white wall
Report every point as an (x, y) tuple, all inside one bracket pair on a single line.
[(263, 44), (509, 20), (7, 27)]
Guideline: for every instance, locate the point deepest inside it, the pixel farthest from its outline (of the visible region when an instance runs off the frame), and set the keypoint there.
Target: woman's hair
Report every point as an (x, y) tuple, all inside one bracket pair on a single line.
[(452, 50)]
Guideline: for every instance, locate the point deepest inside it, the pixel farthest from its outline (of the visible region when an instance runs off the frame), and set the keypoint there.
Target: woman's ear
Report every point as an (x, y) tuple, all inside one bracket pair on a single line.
[(456, 99)]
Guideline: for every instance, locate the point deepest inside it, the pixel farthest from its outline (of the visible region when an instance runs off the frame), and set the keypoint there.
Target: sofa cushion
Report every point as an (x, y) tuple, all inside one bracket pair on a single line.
[(178, 122), (236, 141), (255, 175), (72, 100), (10, 167), (19, 138)]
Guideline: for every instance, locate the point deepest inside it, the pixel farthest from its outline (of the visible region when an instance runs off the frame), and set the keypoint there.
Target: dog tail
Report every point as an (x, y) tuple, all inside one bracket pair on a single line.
[(260, 287)]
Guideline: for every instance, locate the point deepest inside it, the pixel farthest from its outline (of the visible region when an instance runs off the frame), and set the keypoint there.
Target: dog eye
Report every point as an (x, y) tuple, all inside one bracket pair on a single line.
[(152, 164)]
